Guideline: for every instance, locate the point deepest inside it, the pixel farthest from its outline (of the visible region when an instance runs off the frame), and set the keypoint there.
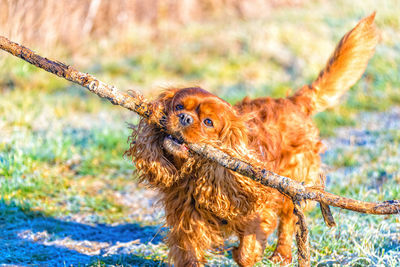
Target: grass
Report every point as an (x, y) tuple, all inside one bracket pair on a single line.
[(61, 148), (45, 154)]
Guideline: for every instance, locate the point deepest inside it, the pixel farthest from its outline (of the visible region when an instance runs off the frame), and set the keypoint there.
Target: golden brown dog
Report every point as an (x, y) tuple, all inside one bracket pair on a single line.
[(205, 202)]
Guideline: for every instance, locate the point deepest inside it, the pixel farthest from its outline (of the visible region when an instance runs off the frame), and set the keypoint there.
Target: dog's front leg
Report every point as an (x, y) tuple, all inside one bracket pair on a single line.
[(191, 234), (253, 239), (283, 250), (182, 255)]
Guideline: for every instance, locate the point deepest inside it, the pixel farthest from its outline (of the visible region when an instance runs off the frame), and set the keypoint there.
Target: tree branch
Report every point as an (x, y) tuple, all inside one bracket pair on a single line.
[(303, 247), (134, 102), (291, 188)]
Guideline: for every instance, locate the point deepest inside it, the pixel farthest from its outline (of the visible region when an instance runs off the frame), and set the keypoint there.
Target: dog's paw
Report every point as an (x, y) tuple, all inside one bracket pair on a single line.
[(241, 260), (282, 259)]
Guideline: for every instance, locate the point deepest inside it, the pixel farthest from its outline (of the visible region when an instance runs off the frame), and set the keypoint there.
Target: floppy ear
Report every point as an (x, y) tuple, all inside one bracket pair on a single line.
[(233, 135), (165, 98), (250, 144), (162, 104), (146, 147)]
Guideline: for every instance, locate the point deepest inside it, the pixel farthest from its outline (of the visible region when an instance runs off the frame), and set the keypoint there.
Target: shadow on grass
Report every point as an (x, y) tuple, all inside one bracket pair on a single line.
[(31, 238)]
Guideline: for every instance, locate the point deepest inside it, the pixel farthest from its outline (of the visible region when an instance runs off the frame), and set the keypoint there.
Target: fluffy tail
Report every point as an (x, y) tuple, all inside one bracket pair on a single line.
[(344, 68)]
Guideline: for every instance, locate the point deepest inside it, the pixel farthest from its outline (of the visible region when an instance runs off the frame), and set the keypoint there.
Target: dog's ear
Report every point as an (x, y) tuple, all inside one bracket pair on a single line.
[(234, 132), (162, 104), (164, 100), (237, 137), (147, 153)]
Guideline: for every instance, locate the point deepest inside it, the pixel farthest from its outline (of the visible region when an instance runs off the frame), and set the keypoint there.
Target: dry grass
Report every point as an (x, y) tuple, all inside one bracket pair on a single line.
[(70, 21)]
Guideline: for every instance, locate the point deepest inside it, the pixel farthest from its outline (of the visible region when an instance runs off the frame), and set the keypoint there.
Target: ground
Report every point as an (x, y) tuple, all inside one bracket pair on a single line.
[(68, 196)]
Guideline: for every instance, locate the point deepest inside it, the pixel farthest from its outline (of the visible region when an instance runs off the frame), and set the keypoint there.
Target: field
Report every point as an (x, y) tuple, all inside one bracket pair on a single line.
[(67, 194)]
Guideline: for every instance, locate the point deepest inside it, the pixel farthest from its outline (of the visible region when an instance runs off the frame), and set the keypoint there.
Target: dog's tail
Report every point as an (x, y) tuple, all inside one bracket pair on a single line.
[(344, 68)]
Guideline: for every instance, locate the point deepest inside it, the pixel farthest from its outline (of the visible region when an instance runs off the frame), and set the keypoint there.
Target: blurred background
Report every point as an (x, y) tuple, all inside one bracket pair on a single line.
[(67, 194)]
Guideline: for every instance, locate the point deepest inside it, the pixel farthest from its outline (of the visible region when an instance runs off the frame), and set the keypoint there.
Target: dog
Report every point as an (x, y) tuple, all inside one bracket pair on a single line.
[(204, 202)]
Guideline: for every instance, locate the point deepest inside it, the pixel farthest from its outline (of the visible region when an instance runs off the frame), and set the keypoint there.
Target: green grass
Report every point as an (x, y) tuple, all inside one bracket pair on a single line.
[(52, 149)]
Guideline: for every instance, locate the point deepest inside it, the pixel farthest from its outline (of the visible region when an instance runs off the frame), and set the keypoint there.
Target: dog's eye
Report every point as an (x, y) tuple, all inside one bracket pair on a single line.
[(179, 107), (208, 123)]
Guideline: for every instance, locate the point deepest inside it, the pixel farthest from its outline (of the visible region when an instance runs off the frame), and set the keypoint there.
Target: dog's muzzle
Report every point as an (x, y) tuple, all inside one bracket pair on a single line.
[(185, 119)]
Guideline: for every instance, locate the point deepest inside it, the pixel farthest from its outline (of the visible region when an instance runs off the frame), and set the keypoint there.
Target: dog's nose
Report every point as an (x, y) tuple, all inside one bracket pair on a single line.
[(185, 119)]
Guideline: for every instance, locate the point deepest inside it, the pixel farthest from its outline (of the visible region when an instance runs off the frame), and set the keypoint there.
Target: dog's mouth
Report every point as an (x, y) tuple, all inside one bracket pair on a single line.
[(176, 146), (175, 140)]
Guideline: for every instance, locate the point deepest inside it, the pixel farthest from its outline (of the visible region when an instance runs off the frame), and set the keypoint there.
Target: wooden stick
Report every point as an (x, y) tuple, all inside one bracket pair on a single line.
[(292, 188), (134, 102), (303, 247)]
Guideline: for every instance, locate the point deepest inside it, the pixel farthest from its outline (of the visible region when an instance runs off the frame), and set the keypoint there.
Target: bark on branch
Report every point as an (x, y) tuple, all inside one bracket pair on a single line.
[(136, 102), (303, 254), (291, 188)]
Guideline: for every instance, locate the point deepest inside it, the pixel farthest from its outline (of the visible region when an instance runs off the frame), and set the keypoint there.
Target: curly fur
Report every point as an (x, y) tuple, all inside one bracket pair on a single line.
[(205, 202)]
